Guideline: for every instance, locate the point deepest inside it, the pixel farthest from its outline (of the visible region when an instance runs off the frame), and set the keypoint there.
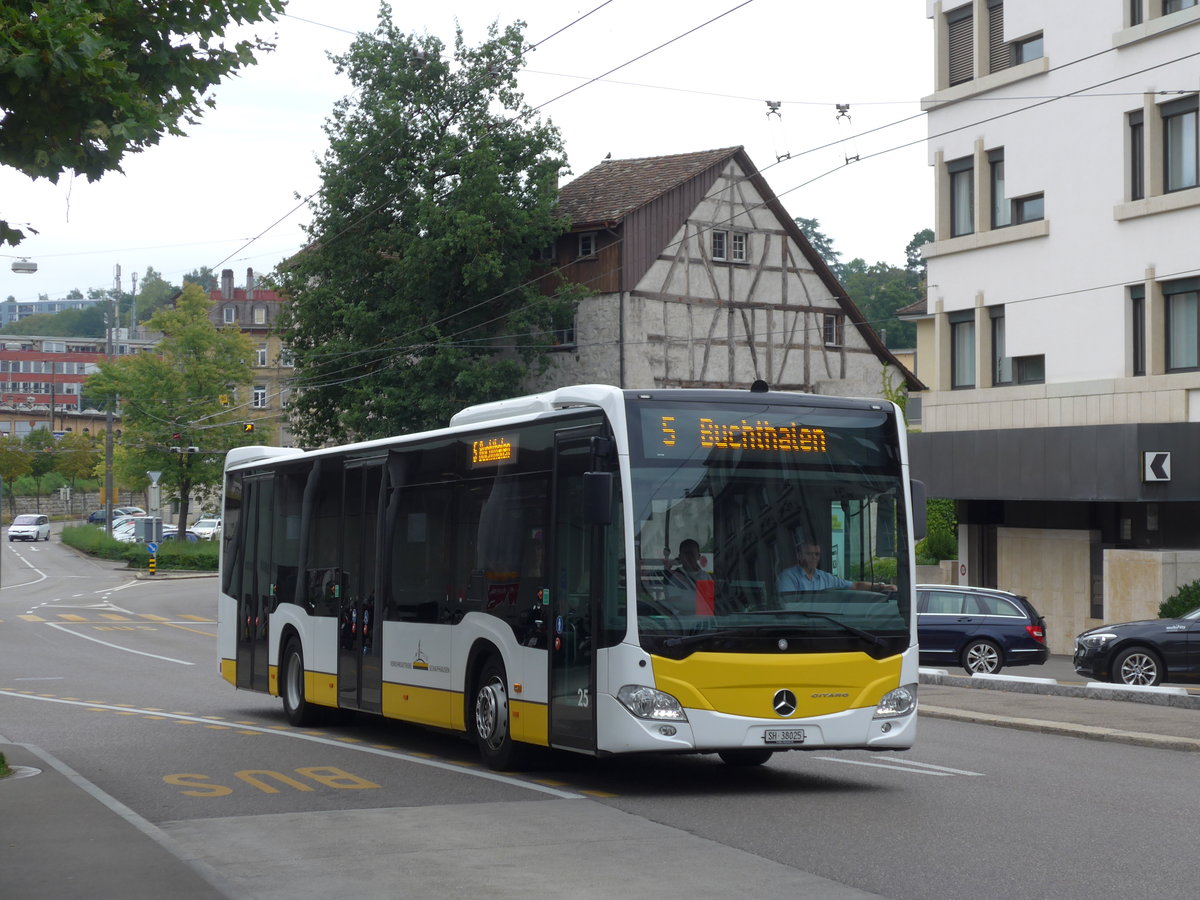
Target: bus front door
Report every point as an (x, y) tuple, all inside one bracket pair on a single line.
[(572, 623), (360, 667)]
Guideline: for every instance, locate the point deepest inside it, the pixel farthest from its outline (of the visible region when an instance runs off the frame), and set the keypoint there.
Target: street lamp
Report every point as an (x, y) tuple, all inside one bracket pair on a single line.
[(24, 266)]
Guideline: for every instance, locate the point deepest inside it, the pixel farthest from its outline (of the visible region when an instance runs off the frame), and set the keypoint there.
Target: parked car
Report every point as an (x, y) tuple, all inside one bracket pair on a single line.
[(129, 511), (97, 517), (189, 535), (29, 527), (1142, 653), (207, 527), (980, 629)]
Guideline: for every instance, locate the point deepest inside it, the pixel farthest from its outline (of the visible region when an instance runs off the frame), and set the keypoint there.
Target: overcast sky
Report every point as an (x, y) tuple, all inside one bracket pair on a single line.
[(225, 195)]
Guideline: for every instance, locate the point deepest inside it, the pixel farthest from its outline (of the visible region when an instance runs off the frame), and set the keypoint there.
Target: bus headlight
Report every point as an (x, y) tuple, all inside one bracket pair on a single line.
[(647, 703), (900, 702)]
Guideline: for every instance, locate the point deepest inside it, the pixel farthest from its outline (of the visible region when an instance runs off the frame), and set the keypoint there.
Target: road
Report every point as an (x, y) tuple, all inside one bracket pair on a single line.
[(118, 679)]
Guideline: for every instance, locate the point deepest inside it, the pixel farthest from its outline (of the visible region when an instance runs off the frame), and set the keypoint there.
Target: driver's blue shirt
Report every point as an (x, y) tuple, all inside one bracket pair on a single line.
[(796, 579)]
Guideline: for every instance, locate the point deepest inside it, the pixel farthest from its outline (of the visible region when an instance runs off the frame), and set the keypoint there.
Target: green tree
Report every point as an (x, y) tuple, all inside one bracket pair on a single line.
[(437, 194), (154, 292), (77, 457), (822, 243), (42, 446), (68, 323), (879, 291), (172, 418), (203, 276), (83, 82), (15, 462)]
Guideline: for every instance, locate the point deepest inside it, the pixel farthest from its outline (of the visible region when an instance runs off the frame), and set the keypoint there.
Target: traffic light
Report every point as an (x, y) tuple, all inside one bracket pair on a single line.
[(247, 427)]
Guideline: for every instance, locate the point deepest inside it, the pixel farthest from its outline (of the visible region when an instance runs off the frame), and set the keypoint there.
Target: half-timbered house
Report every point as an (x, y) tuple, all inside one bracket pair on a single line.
[(700, 278)]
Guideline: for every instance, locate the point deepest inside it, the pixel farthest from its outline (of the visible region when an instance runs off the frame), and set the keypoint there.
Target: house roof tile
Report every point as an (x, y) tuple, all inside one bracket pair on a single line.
[(615, 188)]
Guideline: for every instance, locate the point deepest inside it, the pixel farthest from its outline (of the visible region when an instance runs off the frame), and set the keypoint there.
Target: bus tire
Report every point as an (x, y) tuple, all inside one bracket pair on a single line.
[(291, 688), (491, 719), (747, 757)]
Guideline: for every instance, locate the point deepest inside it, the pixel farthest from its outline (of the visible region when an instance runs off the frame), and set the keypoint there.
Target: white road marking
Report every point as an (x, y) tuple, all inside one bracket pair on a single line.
[(66, 629), (317, 739), (899, 766)]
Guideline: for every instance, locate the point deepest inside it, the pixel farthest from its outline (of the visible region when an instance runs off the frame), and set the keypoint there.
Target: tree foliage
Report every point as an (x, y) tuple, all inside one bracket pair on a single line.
[(16, 460), (437, 194), (83, 82), (170, 399)]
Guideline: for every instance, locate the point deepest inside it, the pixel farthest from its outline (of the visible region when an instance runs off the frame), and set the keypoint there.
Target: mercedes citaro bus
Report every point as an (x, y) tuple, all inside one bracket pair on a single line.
[(517, 576)]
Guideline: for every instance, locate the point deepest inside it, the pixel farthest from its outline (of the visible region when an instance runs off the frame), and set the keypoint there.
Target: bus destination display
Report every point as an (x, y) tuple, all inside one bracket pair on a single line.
[(680, 433), (493, 451)]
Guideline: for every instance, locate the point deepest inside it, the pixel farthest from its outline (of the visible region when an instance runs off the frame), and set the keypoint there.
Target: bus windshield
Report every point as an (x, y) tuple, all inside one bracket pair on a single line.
[(768, 528)]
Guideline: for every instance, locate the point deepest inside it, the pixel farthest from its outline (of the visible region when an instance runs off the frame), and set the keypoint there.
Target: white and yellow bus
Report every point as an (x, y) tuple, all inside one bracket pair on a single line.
[(516, 576)]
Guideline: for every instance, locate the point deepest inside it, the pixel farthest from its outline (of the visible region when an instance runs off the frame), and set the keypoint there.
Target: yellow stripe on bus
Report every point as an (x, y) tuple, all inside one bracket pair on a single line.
[(321, 688), (229, 670), (425, 706), (744, 684), (529, 722)]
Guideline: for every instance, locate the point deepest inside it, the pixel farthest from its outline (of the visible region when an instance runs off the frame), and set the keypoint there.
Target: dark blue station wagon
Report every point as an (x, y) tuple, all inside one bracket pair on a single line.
[(980, 629)]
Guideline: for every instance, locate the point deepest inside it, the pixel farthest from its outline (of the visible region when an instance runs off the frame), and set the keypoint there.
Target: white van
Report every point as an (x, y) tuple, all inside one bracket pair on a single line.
[(29, 527)]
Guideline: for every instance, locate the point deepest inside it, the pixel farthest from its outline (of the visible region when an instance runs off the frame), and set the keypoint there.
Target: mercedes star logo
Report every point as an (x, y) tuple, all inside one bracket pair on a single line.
[(784, 703)]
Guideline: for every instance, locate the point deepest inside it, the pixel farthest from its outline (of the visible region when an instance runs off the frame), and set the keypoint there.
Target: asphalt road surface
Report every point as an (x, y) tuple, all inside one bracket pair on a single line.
[(118, 679)]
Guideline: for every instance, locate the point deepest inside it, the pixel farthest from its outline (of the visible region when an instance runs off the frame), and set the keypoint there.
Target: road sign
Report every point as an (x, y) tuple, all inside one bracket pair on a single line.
[(151, 547), (1156, 465)]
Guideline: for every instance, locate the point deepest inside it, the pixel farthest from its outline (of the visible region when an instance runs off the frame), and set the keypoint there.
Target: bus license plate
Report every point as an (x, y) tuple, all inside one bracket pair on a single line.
[(784, 736)]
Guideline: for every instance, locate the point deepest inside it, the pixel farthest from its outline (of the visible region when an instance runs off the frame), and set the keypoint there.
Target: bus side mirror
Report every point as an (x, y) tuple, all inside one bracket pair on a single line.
[(917, 489), (597, 498)]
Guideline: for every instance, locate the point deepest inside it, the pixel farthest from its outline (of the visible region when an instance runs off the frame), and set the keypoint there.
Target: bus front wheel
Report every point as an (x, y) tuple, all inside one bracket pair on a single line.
[(299, 710), (492, 719)]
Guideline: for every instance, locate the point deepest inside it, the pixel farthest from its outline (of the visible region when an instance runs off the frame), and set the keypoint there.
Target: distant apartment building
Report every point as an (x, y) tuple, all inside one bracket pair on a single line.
[(42, 381), (13, 311), (1060, 336), (255, 311)]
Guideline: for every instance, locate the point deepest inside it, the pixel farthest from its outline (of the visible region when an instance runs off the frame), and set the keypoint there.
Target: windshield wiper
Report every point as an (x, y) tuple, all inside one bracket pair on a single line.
[(701, 637), (865, 635)]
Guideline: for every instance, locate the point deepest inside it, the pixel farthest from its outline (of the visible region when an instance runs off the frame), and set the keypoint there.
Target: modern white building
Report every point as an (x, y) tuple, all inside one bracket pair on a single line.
[(1060, 338)]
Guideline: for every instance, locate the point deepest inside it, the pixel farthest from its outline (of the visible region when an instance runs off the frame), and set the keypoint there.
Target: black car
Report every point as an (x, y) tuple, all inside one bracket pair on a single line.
[(1142, 653), (980, 629)]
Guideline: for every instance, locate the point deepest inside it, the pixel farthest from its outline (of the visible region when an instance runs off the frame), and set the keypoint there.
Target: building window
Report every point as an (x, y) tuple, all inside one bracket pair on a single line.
[(1170, 6), (831, 330), (1002, 368), (962, 350), (999, 53), (1028, 209), (962, 196), (261, 359), (1027, 49), (962, 44), (287, 359), (1137, 156), (1000, 210), (1137, 329), (1135, 12), (258, 398), (230, 315), (1180, 144), (587, 244), (260, 315), (1183, 324), (729, 246)]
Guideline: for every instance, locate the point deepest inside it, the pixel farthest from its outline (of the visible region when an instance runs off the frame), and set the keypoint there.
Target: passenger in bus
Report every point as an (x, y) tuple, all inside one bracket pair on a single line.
[(805, 576)]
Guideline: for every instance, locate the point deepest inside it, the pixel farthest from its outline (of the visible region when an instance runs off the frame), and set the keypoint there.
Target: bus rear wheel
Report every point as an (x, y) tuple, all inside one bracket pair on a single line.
[(492, 719), (299, 710)]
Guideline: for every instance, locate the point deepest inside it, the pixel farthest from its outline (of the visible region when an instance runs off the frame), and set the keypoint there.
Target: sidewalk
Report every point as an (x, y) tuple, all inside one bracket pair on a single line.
[(62, 837)]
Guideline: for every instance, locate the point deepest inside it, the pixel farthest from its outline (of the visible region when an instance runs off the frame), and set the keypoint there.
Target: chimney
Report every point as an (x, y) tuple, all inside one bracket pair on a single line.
[(249, 281), (227, 284)]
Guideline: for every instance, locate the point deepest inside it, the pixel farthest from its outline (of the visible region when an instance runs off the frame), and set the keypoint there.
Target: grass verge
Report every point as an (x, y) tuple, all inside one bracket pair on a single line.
[(201, 556)]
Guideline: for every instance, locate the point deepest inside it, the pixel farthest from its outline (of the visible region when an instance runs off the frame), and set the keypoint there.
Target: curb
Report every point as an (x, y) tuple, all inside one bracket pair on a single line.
[(1177, 698), (1139, 738)]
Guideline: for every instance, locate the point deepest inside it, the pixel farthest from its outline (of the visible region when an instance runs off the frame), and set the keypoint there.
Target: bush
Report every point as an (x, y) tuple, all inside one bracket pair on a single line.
[(175, 555), (1183, 601), (940, 543)]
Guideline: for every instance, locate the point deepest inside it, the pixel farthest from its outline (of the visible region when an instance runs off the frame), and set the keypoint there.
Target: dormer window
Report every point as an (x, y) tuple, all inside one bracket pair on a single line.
[(230, 314)]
